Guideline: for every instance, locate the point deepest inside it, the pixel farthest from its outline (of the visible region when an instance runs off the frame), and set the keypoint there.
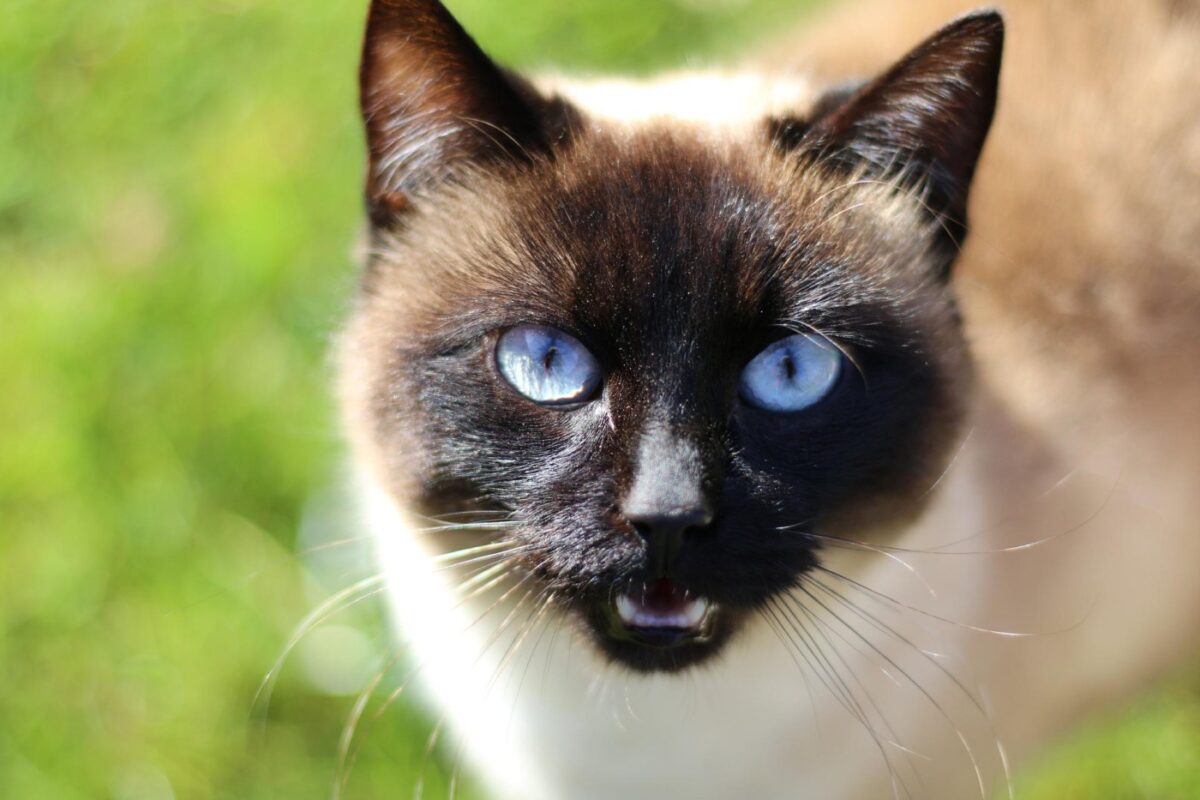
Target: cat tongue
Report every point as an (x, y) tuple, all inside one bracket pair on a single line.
[(661, 604), (664, 594)]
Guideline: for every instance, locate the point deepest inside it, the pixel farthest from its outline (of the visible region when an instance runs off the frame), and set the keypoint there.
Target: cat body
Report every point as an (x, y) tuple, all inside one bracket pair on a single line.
[(1007, 538)]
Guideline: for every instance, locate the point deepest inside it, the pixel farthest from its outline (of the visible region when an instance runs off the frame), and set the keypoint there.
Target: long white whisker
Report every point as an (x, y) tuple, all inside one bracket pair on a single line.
[(335, 604), (880, 741), (913, 681), (887, 553), (346, 740), (875, 593), (883, 627), (840, 692), (468, 552), (430, 744)]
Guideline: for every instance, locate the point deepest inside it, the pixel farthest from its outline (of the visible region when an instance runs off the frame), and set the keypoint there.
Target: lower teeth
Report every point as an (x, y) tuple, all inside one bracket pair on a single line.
[(634, 614)]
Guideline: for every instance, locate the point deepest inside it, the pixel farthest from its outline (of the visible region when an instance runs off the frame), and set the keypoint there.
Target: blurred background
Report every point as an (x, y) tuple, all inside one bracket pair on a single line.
[(179, 199)]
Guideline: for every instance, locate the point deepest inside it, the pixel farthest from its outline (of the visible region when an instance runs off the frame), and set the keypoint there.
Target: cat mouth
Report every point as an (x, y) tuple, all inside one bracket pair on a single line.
[(661, 614)]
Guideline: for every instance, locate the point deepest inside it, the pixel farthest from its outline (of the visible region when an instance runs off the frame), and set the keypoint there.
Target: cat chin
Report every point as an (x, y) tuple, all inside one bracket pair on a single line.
[(647, 660)]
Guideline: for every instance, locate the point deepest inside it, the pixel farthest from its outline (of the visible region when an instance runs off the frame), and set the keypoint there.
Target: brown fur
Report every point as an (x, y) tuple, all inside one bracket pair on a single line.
[(1080, 287), (1081, 277)]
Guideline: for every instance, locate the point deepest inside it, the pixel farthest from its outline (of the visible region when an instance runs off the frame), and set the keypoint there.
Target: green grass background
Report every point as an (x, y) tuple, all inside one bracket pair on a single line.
[(179, 195)]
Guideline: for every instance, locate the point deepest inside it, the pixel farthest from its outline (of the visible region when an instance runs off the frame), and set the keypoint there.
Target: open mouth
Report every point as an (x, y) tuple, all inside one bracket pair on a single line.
[(661, 614)]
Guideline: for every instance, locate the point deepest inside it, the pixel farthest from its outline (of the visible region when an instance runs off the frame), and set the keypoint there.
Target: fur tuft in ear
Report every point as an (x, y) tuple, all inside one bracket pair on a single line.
[(433, 101), (925, 119)]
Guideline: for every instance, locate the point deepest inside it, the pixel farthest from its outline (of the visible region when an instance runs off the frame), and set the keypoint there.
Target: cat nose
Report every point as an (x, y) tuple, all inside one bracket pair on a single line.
[(665, 532), (667, 497)]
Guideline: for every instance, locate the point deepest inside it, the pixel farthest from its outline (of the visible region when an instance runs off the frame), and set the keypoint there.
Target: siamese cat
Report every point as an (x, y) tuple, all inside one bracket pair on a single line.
[(829, 429)]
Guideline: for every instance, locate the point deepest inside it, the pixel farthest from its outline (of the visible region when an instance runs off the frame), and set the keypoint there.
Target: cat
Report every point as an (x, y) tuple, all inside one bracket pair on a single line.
[(713, 450)]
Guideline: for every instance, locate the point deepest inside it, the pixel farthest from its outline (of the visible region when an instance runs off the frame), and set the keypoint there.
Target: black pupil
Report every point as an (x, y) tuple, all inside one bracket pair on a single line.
[(548, 358), (789, 368)]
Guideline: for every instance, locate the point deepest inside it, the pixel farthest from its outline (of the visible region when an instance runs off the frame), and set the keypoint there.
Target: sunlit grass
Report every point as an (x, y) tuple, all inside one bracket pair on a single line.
[(179, 195)]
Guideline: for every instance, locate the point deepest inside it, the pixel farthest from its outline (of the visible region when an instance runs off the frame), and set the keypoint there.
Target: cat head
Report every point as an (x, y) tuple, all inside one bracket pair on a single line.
[(676, 362)]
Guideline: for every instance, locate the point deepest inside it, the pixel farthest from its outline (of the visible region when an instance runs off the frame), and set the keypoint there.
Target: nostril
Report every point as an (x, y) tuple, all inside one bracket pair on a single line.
[(669, 522), (645, 530), (665, 533), (700, 516)]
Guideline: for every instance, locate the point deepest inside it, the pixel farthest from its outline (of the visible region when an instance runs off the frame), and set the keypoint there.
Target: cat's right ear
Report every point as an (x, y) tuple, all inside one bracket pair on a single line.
[(434, 104)]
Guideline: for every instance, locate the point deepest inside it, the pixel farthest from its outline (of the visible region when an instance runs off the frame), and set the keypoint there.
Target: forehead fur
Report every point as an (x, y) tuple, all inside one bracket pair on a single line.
[(717, 103), (655, 220)]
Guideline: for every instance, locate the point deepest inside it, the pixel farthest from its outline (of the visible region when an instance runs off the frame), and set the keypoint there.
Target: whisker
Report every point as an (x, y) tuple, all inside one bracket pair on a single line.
[(466, 552), (941, 668), (929, 657), (518, 640), (496, 634), (913, 681), (396, 693), (558, 626), (344, 762), (507, 555), (844, 692), (479, 582), (888, 630), (430, 744), (770, 617), (950, 465), (477, 512), (885, 552), (482, 577), (892, 739), (546, 604), (827, 628), (308, 551), (482, 580), (498, 601), (451, 527), (335, 604), (840, 693), (943, 549), (878, 595), (452, 788)]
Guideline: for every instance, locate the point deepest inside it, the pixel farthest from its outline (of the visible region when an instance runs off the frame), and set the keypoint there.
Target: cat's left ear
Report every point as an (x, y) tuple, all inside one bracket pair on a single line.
[(435, 105), (925, 119)]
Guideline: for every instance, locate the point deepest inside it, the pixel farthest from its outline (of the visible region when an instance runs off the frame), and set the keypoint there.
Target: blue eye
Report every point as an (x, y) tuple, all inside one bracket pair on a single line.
[(547, 365), (791, 374)]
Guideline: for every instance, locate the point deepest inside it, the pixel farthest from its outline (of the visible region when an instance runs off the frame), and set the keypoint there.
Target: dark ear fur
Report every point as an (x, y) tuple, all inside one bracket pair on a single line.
[(433, 101), (925, 118)]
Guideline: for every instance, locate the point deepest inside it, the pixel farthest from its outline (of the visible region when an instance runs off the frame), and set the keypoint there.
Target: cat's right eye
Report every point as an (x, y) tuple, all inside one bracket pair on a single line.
[(546, 365)]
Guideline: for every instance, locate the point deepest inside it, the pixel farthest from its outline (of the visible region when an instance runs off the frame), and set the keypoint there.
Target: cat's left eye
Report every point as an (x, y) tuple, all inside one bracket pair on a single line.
[(546, 365), (792, 374)]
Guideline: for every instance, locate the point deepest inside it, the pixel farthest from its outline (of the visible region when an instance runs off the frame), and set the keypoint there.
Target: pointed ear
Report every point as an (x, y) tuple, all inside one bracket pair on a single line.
[(925, 119), (433, 102)]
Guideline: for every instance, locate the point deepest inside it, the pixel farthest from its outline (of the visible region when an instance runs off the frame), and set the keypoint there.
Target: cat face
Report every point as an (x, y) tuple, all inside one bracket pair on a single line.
[(674, 365)]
